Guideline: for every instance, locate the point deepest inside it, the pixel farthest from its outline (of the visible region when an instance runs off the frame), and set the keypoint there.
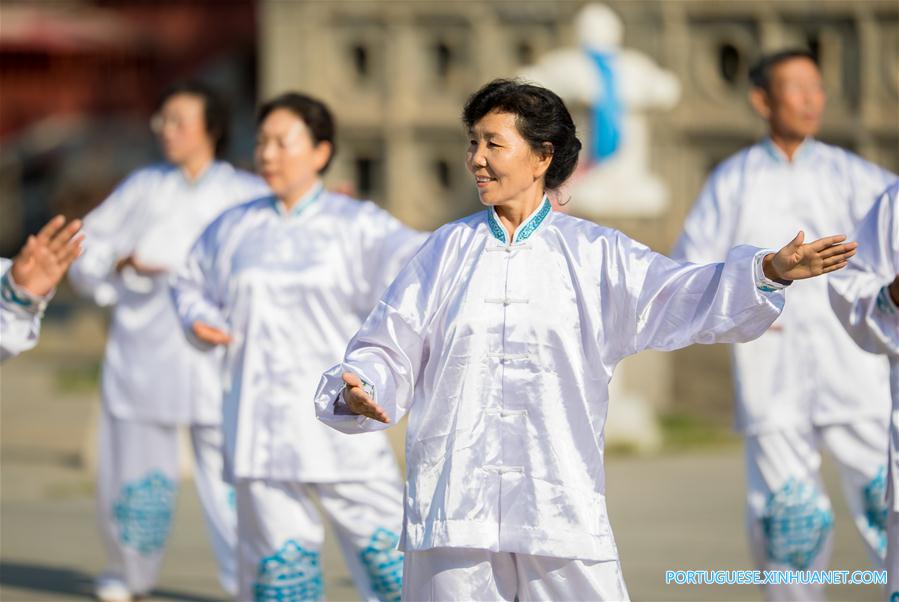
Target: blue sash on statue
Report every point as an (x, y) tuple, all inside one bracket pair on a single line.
[(607, 109)]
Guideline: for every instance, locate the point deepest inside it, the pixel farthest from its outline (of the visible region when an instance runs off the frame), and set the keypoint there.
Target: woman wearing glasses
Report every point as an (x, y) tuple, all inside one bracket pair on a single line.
[(153, 381)]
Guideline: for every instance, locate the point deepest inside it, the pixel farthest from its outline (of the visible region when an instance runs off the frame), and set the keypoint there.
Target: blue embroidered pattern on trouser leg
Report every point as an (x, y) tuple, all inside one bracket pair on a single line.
[(143, 512), (796, 523), (384, 564), (292, 574), (875, 507)]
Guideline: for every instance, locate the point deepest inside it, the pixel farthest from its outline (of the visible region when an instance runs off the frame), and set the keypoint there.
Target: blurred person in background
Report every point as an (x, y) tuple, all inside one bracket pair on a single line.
[(866, 299), (500, 337), (28, 281), (152, 381), (283, 282), (804, 385)]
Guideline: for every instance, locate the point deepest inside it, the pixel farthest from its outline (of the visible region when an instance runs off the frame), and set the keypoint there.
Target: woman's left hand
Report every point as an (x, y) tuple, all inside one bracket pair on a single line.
[(797, 261)]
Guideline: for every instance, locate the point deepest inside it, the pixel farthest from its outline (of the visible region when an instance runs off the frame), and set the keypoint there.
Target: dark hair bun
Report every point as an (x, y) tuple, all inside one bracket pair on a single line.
[(541, 117)]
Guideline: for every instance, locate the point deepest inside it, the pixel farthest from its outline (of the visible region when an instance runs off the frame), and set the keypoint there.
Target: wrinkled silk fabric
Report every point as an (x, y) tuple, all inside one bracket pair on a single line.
[(291, 289), (860, 297), (149, 371), (806, 371), (501, 351)]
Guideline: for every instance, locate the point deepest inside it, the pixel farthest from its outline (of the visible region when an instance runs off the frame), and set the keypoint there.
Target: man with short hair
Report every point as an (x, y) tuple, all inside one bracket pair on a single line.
[(153, 381), (836, 396)]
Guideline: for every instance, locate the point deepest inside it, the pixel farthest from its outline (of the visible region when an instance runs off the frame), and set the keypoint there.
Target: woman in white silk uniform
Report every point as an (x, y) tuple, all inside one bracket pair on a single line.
[(803, 386), (285, 281), (28, 281), (499, 339), (866, 299), (153, 381)]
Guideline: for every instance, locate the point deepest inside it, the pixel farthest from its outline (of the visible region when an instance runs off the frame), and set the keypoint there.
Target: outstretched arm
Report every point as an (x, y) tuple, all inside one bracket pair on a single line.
[(679, 304)]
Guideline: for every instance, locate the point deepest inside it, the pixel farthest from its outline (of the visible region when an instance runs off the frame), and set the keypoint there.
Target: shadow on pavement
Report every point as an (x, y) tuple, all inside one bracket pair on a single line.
[(60, 580)]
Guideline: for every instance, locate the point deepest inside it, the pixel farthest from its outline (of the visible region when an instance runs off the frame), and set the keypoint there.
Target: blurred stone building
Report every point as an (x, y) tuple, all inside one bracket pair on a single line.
[(397, 74)]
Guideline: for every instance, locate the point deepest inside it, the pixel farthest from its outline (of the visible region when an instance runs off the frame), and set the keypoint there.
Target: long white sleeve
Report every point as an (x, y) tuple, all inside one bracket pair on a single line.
[(192, 289), (110, 235), (679, 304), (859, 293), (386, 353), (20, 315)]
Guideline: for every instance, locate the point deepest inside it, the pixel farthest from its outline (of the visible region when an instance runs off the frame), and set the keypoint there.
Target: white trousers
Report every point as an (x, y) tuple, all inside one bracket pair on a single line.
[(442, 574), (137, 484), (789, 516), (280, 537)]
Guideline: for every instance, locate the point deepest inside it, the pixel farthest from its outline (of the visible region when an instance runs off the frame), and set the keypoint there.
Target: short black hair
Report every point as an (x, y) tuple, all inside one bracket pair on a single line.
[(216, 113), (541, 117), (314, 113), (760, 74)]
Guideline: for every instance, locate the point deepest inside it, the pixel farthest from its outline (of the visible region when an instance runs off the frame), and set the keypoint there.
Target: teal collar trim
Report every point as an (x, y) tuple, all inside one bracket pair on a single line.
[(310, 198), (526, 230), (805, 150)]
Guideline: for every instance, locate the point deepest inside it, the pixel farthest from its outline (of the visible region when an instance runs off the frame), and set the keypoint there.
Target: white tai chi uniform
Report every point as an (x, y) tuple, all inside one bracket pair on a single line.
[(291, 289), (804, 384), (860, 297), (153, 381), (501, 352), (20, 314)]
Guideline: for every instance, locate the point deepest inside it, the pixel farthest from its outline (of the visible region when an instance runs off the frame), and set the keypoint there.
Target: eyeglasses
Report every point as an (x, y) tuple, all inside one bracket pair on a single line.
[(292, 138), (159, 121)]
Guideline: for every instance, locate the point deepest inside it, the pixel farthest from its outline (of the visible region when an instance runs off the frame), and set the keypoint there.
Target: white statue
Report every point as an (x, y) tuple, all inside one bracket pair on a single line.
[(616, 85)]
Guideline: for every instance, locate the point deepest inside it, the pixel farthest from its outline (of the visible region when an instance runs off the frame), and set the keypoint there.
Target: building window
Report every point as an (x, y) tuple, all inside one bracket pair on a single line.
[(730, 63), (524, 53), (813, 43), (443, 59), (365, 176), (443, 174), (360, 61)]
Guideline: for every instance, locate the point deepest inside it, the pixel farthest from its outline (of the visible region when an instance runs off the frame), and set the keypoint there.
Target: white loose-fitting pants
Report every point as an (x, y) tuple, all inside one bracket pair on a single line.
[(137, 483), (442, 574), (280, 537), (789, 515)]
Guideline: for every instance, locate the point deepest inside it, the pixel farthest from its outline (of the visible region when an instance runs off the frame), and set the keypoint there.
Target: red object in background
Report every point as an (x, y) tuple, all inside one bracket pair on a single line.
[(109, 55)]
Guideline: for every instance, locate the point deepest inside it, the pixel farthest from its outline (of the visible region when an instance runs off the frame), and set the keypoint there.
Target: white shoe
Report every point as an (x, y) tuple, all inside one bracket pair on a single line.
[(112, 589)]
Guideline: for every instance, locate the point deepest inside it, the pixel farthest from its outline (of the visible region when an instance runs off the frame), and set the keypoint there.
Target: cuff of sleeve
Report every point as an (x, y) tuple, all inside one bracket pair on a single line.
[(17, 298), (762, 282), (885, 302)]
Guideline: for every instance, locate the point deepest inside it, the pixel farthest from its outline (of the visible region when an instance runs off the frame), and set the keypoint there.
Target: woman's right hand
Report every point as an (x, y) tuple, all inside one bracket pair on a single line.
[(358, 401), (209, 334), (138, 266)]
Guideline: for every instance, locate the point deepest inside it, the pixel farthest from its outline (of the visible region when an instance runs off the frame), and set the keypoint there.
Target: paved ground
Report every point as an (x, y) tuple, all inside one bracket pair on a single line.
[(673, 511)]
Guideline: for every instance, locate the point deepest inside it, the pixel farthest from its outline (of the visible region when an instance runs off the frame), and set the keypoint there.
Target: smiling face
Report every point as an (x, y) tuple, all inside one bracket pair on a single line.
[(795, 102), (286, 155), (505, 167)]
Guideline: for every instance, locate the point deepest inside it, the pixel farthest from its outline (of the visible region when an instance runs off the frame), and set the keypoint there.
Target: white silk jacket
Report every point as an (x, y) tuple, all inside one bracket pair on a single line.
[(150, 373), (291, 289), (805, 371), (860, 297), (501, 351)]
